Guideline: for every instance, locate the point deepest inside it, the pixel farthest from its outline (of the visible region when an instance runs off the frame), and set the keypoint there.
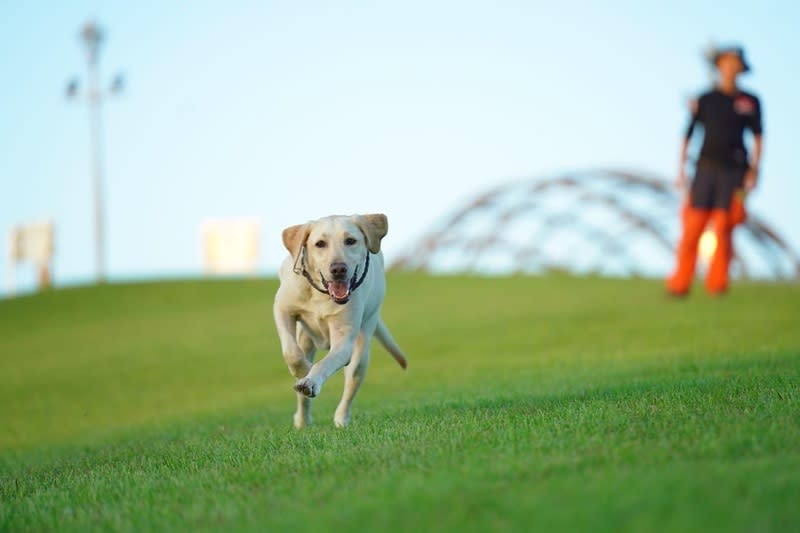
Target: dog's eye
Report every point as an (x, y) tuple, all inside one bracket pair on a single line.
[(320, 244), (350, 241)]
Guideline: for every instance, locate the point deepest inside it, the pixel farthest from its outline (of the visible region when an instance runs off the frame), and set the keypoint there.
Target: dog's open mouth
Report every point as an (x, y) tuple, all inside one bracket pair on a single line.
[(339, 291)]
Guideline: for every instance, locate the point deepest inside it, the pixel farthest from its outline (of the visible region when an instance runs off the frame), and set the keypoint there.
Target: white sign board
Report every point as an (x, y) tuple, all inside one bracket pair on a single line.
[(34, 243), (230, 246)]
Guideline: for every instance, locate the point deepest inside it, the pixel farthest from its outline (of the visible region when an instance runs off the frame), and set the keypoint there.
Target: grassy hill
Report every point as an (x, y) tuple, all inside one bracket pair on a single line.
[(530, 404)]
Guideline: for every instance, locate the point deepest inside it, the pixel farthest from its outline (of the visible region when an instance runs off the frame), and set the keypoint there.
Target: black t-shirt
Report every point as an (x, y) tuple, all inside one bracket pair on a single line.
[(724, 118)]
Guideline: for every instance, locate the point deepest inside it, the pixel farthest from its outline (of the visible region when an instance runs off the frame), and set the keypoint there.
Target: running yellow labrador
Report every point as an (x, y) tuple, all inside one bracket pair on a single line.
[(331, 291)]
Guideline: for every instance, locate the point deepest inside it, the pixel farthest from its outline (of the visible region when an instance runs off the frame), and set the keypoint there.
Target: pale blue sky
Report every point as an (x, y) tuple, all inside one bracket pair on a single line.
[(292, 110)]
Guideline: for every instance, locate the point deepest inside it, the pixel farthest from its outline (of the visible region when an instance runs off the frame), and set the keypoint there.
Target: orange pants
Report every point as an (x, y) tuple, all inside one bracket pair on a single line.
[(694, 223), (738, 214)]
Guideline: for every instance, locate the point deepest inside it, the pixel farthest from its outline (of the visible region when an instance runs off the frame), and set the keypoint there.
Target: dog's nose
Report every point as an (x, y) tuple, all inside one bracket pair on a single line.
[(339, 270)]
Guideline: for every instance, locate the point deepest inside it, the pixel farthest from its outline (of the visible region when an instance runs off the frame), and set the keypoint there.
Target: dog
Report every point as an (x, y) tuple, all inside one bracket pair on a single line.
[(331, 289)]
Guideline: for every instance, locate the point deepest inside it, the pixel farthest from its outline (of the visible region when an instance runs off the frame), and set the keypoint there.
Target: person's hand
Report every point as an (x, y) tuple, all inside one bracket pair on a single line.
[(750, 179), (680, 180)]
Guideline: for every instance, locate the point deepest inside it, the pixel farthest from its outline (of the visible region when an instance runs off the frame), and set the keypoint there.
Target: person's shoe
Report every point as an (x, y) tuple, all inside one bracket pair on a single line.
[(677, 294)]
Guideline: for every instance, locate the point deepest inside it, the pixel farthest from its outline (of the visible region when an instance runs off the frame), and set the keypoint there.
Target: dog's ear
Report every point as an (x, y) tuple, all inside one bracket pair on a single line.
[(294, 237), (374, 227)]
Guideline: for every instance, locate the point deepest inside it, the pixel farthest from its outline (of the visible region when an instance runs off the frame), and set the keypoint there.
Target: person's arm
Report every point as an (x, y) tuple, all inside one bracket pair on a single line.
[(756, 126), (751, 178), (681, 181)]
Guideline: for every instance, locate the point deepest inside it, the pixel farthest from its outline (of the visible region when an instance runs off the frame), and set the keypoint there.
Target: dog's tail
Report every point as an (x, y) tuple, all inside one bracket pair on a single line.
[(385, 338)]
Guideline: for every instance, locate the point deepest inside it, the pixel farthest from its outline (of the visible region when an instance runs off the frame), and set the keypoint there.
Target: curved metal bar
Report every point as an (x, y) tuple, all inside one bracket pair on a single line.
[(612, 190)]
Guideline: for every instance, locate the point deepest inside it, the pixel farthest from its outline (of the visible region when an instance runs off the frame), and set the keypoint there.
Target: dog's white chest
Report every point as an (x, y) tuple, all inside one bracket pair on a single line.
[(318, 328)]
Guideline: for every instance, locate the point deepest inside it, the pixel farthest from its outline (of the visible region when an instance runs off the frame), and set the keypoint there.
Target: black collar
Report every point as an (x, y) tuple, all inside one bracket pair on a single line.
[(355, 281)]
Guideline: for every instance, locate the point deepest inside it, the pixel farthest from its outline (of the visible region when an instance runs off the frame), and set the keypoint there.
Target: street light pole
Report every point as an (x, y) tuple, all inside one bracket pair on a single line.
[(92, 37)]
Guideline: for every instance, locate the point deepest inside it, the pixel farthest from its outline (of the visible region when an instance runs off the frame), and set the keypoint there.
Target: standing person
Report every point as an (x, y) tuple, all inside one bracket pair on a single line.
[(724, 173)]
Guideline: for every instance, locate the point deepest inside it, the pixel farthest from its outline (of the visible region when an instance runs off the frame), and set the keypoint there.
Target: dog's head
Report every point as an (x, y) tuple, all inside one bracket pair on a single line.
[(334, 249)]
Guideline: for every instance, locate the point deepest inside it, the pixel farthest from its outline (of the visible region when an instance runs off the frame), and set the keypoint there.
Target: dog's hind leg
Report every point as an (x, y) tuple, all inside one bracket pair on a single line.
[(354, 374), (302, 417)]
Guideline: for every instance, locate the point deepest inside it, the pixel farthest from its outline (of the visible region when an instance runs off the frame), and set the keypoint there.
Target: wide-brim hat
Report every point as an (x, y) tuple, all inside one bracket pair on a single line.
[(738, 51)]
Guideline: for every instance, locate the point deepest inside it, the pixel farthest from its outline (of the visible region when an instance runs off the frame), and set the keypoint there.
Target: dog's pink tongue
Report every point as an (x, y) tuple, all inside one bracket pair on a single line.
[(338, 289)]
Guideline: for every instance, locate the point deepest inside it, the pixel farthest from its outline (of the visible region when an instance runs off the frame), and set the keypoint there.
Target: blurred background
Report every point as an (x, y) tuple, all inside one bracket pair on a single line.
[(259, 115)]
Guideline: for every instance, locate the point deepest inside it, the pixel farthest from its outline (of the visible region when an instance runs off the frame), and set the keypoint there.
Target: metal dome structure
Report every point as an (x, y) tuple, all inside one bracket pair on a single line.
[(611, 223)]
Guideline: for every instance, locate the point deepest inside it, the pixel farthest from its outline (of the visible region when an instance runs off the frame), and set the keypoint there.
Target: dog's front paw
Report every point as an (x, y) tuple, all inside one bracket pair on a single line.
[(341, 420), (307, 387)]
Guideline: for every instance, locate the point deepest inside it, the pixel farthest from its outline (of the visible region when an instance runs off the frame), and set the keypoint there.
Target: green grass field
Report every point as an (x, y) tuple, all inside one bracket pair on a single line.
[(531, 403)]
